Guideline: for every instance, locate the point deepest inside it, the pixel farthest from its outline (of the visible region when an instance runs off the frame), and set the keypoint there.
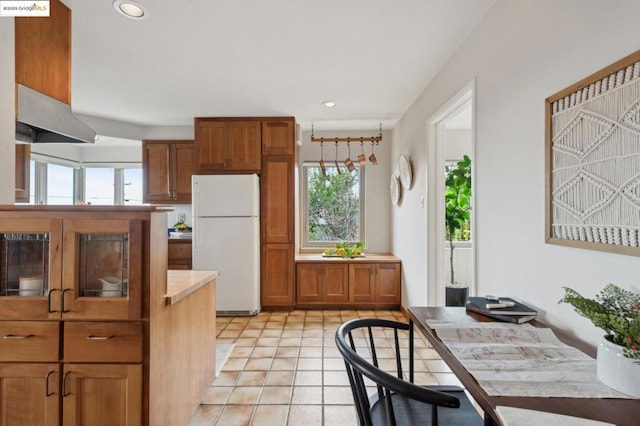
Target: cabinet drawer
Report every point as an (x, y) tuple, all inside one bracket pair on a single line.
[(29, 341), (102, 342), (179, 251)]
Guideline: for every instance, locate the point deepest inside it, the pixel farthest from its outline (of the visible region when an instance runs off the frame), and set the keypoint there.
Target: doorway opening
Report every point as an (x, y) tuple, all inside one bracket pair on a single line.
[(451, 142)]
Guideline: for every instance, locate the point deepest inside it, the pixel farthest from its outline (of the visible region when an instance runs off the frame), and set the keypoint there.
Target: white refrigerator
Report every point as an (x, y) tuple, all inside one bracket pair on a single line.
[(226, 238)]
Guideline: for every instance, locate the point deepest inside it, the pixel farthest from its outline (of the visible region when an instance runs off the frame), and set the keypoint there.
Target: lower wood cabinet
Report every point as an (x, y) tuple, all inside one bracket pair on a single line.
[(328, 282), (321, 284), (102, 394), (30, 394), (89, 394), (277, 276), (180, 253)]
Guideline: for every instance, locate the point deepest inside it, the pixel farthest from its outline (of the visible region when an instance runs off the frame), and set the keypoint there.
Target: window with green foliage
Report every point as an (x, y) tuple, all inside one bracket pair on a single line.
[(333, 205)]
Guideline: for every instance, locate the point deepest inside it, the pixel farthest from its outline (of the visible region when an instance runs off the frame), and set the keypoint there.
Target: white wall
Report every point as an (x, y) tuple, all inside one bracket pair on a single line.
[(7, 111), (377, 201), (522, 52), (457, 144)]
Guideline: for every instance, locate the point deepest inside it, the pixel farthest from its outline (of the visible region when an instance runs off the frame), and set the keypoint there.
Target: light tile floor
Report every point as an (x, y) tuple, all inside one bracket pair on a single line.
[(286, 370)]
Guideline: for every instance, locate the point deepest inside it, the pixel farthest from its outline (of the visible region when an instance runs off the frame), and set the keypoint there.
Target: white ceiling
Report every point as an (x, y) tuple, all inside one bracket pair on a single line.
[(263, 58)]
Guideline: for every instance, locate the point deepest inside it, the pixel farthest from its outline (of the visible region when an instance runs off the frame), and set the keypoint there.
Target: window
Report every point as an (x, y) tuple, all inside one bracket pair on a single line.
[(99, 188), (60, 184), (333, 205), (52, 183), (132, 186)]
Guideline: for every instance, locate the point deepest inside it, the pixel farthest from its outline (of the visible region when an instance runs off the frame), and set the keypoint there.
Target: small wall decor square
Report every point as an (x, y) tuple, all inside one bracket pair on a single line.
[(592, 157)]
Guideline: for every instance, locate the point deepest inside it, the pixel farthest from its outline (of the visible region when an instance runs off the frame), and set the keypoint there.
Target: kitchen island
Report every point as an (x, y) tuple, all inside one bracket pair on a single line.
[(182, 339), (95, 319)]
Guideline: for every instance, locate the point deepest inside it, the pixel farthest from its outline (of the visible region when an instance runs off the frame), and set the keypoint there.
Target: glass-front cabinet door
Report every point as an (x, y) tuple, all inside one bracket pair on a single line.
[(101, 272), (30, 268)]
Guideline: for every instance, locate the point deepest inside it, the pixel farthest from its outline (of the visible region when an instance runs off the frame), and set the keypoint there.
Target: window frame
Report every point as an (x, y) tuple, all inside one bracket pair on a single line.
[(318, 246), (40, 178)]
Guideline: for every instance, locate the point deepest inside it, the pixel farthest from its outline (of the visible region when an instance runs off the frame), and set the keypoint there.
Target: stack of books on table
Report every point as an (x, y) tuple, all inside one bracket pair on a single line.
[(502, 309)]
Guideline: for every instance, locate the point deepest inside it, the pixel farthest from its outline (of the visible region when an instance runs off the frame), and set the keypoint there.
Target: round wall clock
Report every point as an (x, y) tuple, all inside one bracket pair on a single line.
[(395, 190), (406, 173)]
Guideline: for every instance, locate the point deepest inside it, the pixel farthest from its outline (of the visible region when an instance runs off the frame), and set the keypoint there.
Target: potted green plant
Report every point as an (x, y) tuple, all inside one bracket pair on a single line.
[(456, 221), (617, 312)]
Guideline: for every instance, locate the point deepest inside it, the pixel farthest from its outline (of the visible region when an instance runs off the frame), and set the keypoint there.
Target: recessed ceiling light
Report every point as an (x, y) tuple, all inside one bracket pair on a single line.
[(130, 9), (329, 104)]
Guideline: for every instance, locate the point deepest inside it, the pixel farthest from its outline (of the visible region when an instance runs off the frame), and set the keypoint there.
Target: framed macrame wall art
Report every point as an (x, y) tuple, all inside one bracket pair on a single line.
[(593, 161)]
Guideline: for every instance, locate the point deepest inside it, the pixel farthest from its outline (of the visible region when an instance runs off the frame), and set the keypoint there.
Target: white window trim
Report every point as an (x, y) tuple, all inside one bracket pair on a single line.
[(307, 246), (79, 177)]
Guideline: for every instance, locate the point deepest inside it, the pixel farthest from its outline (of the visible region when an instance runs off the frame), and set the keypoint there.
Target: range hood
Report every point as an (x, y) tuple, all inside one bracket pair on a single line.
[(43, 119)]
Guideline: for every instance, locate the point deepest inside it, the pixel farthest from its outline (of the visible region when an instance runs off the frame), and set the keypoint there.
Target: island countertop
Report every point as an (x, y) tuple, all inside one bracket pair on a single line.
[(181, 283)]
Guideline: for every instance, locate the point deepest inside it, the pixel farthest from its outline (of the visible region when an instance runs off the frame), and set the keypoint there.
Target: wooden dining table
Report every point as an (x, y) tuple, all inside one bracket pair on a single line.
[(619, 411)]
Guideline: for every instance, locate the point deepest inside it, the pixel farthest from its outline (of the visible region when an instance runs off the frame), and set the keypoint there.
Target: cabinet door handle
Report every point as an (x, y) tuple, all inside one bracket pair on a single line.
[(17, 336), (47, 393), (64, 310), (49, 300), (92, 337), (64, 384)]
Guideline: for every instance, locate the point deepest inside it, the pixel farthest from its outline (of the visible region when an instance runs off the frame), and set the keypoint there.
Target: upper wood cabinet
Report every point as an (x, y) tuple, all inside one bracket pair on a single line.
[(278, 136), (225, 145), (277, 199), (23, 161), (43, 52), (70, 269), (167, 169)]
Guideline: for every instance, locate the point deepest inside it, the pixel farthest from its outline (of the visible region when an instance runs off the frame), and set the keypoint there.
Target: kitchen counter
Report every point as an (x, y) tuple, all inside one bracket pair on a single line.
[(182, 283), (367, 258)]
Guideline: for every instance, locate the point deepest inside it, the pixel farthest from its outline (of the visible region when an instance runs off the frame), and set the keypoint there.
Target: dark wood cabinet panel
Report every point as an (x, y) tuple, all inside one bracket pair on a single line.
[(387, 283), (361, 282), (276, 287), (317, 283), (167, 167), (336, 282), (184, 166), (276, 202), (228, 146), (43, 52), (180, 253), (277, 136)]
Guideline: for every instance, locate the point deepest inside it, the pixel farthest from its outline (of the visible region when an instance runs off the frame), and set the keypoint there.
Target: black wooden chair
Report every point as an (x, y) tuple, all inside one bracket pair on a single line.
[(397, 401)]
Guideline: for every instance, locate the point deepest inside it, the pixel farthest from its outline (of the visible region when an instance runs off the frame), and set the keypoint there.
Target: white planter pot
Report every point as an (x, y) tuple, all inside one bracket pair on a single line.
[(617, 371)]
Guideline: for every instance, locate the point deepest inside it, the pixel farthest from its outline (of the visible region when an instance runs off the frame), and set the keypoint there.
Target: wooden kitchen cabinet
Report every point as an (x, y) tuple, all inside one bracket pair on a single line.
[(42, 46), (372, 281), (228, 145), (375, 283), (277, 136), (102, 394), (30, 394), (71, 312), (277, 276), (167, 167), (322, 283), (277, 212), (362, 282), (277, 199), (180, 256)]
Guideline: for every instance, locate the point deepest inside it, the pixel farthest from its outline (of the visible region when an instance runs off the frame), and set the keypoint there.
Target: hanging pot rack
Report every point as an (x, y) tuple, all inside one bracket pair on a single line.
[(372, 139)]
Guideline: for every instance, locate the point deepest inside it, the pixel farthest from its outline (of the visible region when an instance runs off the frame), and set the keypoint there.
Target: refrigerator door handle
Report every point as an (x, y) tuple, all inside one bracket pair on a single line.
[(196, 235), (195, 211)]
